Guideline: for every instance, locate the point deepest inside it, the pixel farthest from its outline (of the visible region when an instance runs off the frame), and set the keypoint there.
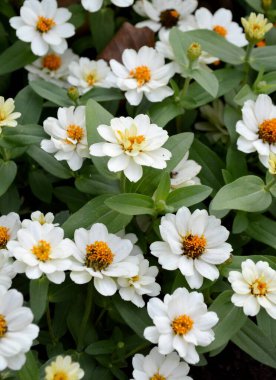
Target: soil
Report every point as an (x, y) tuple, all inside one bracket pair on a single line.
[(232, 363)]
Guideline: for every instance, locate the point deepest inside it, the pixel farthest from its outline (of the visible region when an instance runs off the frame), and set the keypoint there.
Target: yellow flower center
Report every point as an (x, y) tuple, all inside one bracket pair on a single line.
[(44, 24), (135, 278), (98, 256), (3, 115), (51, 62), (129, 142), (4, 236), (220, 30), (259, 287), (182, 324), (267, 131), (90, 79), (74, 132), (3, 326), (42, 250), (157, 376), (60, 376), (194, 245), (142, 74), (169, 18)]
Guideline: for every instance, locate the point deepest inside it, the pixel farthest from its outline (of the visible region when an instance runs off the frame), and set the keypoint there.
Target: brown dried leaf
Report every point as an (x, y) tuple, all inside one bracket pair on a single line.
[(127, 37)]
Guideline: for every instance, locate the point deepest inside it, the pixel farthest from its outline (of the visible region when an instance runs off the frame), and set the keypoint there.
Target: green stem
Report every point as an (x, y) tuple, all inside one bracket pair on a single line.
[(86, 315), (246, 61), (123, 182), (99, 317), (50, 326), (270, 184), (186, 86)]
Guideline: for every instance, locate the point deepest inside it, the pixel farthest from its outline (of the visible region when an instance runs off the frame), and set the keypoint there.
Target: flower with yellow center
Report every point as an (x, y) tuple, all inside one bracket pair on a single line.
[(101, 256), (184, 174), (164, 14), (86, 74), (16, 330), (40, 249), (63, 368), (44, 25), (7, 116), (131, 144), (52, 62), (143, 73), (257, 129), (256, 27), (68, 136), (155, 366), (194, 243), (221, 22), (254, 287), (181, 322), (9, 225), (95, 5), (4, 236)]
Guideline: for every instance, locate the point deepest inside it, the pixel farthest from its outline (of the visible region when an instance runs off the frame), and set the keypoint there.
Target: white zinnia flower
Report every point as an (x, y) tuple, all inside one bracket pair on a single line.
[(143, 72), (95, 5), (16, 331), (68, 136), (184, 174), (131, 144), (7, 116), (133, 288), (38, 216), (221, 23), (102, 256), (194, 243), (9, 225), (254, 286), (53, 68), (86, 74), (63, 368), (155, 366), (165, 14), (7, 272), (44, 25), (181, 323), (41, 249), (257, 128)]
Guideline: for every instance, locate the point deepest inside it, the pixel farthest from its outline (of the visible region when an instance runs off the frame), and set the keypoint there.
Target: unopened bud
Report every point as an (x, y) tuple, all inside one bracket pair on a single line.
[(120, 345), (194, 51), (73, 93), (255, 27), (266, 4)]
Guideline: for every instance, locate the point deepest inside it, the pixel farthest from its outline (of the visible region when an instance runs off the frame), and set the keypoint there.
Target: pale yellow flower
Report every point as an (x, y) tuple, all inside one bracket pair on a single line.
[(63, 369), (272, 163), (255, 27), (7, 116)]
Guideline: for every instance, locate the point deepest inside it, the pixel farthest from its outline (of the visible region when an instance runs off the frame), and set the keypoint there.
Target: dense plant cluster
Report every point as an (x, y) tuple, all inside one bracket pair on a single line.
[(137, 187)]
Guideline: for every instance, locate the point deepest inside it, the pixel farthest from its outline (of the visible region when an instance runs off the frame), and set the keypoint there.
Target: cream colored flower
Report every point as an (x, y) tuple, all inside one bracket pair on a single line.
[(7, 116), (255, 27), (63, 368), (272, 163), (184, 174)]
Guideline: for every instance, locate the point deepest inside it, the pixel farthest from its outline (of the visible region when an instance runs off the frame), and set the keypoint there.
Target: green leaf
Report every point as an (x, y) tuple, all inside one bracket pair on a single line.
[(255, 343), (101, 347), (24, 135), (244, 94), (102, 95), (40, 185), (262, 229), (137, 319), (51, 92), (240, 222), (246, 193), (207, 80), (78, 15), (188, 196), (163, 112), (230, 117), (15, 57), (163, 187), (95, 211), (8, 170), (256, 5), (73, 198), (95, 116), (210, 173), (92, 182), (268, 83), (38, 296), (267, 325), (178, 145), (29, 104), (131, 204), (231, 319), (30, 369), (263, 59), (210, 42), (48, 162), (102, 27)]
